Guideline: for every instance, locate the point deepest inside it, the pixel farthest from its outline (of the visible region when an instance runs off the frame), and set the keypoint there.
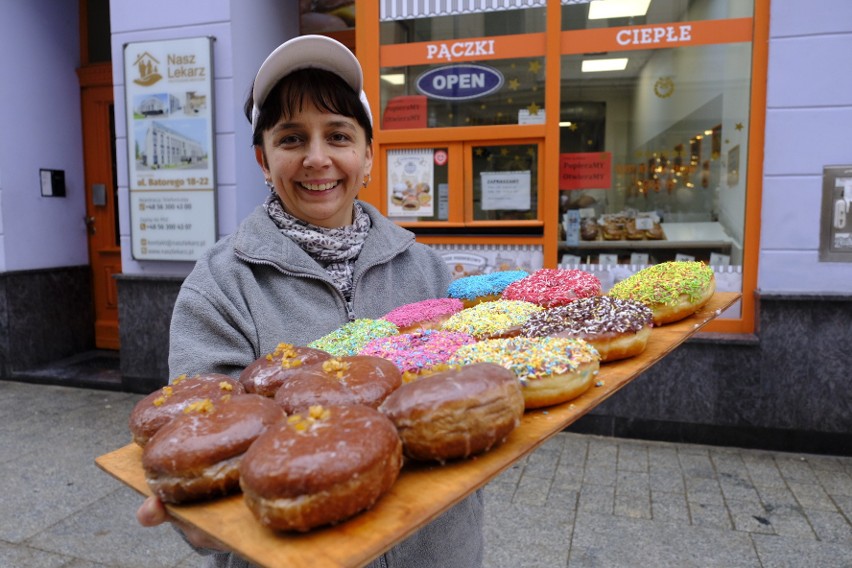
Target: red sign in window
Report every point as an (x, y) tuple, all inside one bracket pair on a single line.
[(405, 112), (585, 170)]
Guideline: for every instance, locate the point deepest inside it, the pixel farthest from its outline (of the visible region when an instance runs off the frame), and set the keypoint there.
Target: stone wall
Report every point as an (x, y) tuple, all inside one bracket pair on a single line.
[(45, 315)]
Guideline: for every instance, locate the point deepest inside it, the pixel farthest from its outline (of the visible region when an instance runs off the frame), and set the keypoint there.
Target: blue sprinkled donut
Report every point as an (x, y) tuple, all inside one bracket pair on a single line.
[(472, 290)]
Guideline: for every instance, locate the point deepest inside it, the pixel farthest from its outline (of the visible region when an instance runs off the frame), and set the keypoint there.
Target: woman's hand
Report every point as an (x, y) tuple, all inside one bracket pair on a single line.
[(152, 512)]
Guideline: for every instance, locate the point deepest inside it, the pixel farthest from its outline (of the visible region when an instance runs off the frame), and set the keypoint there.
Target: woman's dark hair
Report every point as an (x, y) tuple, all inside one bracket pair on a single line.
[(322, 88)]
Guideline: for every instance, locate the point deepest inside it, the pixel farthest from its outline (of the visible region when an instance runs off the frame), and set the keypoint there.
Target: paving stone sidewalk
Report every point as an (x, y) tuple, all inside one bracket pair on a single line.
[(578, 501)]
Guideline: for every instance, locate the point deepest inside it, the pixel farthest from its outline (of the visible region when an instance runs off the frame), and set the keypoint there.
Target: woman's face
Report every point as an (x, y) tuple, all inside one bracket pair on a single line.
[(317, 162)]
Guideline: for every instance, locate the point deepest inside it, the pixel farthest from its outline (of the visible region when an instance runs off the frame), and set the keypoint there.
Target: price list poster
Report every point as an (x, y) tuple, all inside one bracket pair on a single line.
[(169, 109)]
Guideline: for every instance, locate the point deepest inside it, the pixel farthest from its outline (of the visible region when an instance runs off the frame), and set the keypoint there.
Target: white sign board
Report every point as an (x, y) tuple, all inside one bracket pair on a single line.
[(506, 190), (172, 173)]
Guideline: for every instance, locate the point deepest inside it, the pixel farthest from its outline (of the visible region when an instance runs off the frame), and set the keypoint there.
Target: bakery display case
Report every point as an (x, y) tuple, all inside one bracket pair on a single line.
[(624, 236)]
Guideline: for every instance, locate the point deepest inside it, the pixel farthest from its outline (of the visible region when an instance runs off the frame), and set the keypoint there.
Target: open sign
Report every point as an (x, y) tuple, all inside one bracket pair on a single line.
[(459, 82)]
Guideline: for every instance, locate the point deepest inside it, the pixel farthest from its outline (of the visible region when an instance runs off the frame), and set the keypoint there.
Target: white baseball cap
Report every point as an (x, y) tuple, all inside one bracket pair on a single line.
[(305, 52)]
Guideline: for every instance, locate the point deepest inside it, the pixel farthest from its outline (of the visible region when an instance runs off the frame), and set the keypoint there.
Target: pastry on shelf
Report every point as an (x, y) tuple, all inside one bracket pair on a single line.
[(655, 233), (613, 230), (589, 230), (631, 232)]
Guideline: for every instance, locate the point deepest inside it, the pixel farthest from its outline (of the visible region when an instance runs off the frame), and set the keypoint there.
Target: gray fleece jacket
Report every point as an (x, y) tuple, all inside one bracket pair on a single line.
[(256, 288)]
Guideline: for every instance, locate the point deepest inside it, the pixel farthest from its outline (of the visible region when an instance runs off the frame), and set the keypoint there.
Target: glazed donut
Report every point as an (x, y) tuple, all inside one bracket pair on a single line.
[(457, 413), (551, 370), (351, 337), (472, 290), (197, 455), (158, 408), (673, 290), (266, 374), (414, 352), (320, 468), (618, 329), (491, 320), (358, 379), (423, 315), (549, 287)]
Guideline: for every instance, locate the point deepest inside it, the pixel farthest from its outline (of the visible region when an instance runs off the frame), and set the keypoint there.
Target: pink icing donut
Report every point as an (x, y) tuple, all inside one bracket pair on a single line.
[(549, 287), (423, 315), (416, 352)]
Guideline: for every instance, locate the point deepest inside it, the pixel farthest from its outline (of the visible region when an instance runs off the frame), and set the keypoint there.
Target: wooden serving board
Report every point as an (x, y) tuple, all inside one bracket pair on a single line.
[(422, 492)]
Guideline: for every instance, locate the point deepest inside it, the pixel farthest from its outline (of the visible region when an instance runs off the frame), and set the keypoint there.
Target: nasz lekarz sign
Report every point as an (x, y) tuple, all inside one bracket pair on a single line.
[(459, 82), (171, 166)]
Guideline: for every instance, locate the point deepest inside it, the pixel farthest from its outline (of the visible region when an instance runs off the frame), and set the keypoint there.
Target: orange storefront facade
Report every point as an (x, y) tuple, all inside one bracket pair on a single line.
[(550, 135)]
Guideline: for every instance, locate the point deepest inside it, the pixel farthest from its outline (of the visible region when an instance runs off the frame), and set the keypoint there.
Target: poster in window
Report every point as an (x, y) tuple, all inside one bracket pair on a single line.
[(411, 175), (171, 166), (734, 166)]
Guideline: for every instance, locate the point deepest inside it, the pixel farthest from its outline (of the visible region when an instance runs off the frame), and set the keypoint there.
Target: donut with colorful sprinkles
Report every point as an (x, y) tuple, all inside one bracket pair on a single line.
[(490, 320), (423, 315), (617, 328), (549, 287), (472, 290), (351, 337), (413, 353), (552, 370), (673, 290)]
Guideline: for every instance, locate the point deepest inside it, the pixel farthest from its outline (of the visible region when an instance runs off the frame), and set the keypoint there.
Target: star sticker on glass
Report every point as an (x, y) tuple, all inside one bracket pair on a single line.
[(514, 84), (535, 66), (533, 109), (739, 126)]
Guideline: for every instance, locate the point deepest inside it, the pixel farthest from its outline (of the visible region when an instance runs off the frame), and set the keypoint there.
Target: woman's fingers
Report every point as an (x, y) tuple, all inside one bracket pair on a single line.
[(152, 512)]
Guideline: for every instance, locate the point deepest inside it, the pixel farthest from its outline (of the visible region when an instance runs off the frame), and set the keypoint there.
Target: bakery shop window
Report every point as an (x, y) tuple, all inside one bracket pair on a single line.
[(483, 187), (653, 108), (443, 64), (505, 182)]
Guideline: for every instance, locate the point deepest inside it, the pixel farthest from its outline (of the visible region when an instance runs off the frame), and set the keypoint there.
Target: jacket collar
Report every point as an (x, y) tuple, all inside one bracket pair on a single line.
[(258, 239)]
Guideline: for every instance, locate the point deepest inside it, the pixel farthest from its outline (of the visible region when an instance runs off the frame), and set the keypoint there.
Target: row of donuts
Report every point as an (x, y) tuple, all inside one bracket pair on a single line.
[(295, 404), (547, 303)]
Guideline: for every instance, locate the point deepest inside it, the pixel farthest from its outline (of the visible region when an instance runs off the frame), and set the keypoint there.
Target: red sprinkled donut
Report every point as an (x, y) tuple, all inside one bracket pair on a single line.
[(549, 287)]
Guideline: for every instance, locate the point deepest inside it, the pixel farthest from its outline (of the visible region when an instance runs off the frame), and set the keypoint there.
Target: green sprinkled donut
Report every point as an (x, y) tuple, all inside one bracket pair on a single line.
[(672, 290)]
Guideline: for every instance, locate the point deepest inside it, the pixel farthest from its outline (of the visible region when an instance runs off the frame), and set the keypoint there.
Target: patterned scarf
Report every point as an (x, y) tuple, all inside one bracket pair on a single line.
[(333, 249)]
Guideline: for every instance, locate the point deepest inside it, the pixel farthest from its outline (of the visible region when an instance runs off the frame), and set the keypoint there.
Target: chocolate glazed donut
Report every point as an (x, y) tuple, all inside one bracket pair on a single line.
[(456, 413), (359, 379), (161, 406), (320, 467), (196, 455), (267, 373)]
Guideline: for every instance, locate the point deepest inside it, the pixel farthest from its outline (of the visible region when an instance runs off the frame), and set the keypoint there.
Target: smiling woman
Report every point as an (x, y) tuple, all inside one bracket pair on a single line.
[(310, 259), (315, 161)]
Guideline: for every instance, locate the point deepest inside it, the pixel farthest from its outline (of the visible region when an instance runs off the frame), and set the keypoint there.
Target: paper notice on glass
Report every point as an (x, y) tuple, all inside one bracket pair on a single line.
[(410, 179), (506, 190)]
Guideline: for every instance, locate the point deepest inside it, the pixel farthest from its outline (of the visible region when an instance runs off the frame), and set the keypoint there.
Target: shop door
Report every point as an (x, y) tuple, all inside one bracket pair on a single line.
[(101, 201)]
